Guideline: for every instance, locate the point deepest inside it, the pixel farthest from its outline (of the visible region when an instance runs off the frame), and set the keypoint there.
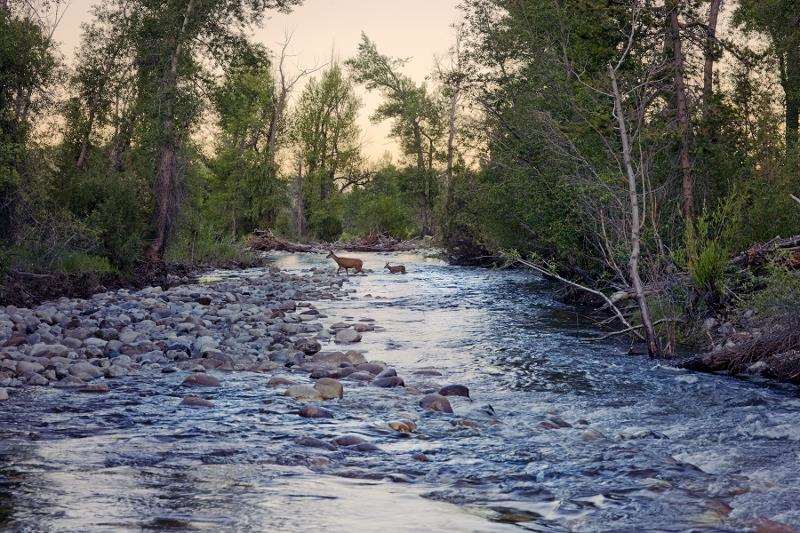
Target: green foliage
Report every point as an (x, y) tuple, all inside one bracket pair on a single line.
[(326, 226), (780, 294), (707, 245)]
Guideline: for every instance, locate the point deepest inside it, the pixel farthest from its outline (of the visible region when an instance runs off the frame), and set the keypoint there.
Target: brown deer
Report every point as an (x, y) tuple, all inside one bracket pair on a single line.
[(346, 263), (399, 269)]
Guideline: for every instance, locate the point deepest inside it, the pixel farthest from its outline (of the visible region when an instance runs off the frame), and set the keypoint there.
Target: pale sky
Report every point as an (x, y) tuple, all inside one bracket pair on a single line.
[(416, 29)]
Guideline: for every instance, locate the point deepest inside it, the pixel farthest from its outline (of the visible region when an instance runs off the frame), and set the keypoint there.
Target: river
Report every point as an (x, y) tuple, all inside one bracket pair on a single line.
[(564, 432)]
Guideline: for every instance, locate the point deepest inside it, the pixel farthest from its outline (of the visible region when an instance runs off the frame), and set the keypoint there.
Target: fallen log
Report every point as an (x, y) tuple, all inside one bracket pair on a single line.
[(785, 251), (266, 241)]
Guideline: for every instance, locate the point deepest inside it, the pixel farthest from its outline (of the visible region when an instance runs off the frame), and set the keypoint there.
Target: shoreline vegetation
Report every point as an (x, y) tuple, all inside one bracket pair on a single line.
[(645, 158)]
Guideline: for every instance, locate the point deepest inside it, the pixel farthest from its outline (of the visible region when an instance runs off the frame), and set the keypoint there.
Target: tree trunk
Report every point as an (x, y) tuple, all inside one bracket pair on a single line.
[(710, 57), (299, 204), (166, 173), (451, 136), (633, 197), (791, 88), (682, 112)]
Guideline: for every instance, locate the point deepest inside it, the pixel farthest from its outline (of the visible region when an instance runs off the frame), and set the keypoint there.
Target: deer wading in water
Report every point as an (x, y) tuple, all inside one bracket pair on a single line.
[(399, 269), (346, 263)]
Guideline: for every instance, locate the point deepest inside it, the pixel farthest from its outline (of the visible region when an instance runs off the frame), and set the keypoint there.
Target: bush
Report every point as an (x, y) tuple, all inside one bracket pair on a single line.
[(780, 294), (325, 226)]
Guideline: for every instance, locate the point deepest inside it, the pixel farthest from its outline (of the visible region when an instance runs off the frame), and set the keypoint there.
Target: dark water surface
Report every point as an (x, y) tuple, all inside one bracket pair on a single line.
[(582, 437)]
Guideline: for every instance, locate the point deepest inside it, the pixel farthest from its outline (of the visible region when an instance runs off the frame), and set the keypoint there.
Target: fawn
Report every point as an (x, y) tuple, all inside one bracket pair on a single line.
[(399, 269), (346, 263)]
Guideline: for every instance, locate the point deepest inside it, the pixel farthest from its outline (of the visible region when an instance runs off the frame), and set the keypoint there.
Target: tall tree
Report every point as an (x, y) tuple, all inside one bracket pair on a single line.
[(779, 21), (416, 117), (174, 38)]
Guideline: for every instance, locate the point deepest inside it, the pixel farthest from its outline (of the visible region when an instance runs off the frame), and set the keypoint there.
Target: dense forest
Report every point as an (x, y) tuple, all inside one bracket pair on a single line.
[(629, 149)]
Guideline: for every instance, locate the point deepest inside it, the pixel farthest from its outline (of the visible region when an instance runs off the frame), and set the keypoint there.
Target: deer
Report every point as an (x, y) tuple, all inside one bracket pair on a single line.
[(346, 263), (399, 269)]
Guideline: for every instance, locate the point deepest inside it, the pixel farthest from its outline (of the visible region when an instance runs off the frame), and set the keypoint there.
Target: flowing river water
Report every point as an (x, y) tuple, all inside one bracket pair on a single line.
[(564, 433)]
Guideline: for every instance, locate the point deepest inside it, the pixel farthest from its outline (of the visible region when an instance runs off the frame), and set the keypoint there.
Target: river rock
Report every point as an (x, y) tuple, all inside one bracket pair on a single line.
[(336, 358), (279, 380), (201, 379), (314, 411), (436, 402), (24, 367), (388, 381), (3, 394), (85, 371), (115, 371), (303, 392), (348, 440), (359, 376), (329, 388), (347, 336), (96, 388), (196, 401), (403, 426), (387, 373), (361, 328), (49, 350), (68, 382), (313, 442), (454, 390), (372, 368), (35, 380), (307, 346)]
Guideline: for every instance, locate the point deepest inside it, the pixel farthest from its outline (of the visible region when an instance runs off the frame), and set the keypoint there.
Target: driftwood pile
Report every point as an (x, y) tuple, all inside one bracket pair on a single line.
[(266, 241), (785, 252), (378, 243)]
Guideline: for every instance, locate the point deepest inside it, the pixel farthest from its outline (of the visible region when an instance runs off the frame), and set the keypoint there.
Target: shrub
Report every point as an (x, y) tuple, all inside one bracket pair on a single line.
[(780, 294), (325, 226)]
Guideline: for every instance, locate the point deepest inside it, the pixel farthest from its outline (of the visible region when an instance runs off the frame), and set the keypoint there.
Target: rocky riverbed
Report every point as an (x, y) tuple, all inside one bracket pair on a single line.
[(297, 399)]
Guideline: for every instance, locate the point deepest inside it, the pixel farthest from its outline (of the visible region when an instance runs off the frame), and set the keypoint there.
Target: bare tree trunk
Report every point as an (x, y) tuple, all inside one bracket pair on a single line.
[(710, 57), (682, 111), (451, 136), (791, 86), (633, 196), (299, 204), (166, 173)]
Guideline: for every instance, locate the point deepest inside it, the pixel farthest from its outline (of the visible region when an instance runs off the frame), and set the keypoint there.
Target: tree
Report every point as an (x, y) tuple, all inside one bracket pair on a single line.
[(171, 43), (326, 135), (27, 66), (246, 187), (416, 116), (779, 21)]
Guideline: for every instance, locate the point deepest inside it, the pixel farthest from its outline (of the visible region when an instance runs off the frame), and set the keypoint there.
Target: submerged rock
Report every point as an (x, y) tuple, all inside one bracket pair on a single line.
[(303, 392), (201, 379), (436, 402), (3, 394), (329, 388), (196, 401), (347, 336), (403, 426), (314, 411), (454, 390)]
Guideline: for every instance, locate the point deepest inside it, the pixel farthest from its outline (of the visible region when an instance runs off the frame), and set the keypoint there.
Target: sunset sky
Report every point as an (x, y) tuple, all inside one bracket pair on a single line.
[(416, 29)]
